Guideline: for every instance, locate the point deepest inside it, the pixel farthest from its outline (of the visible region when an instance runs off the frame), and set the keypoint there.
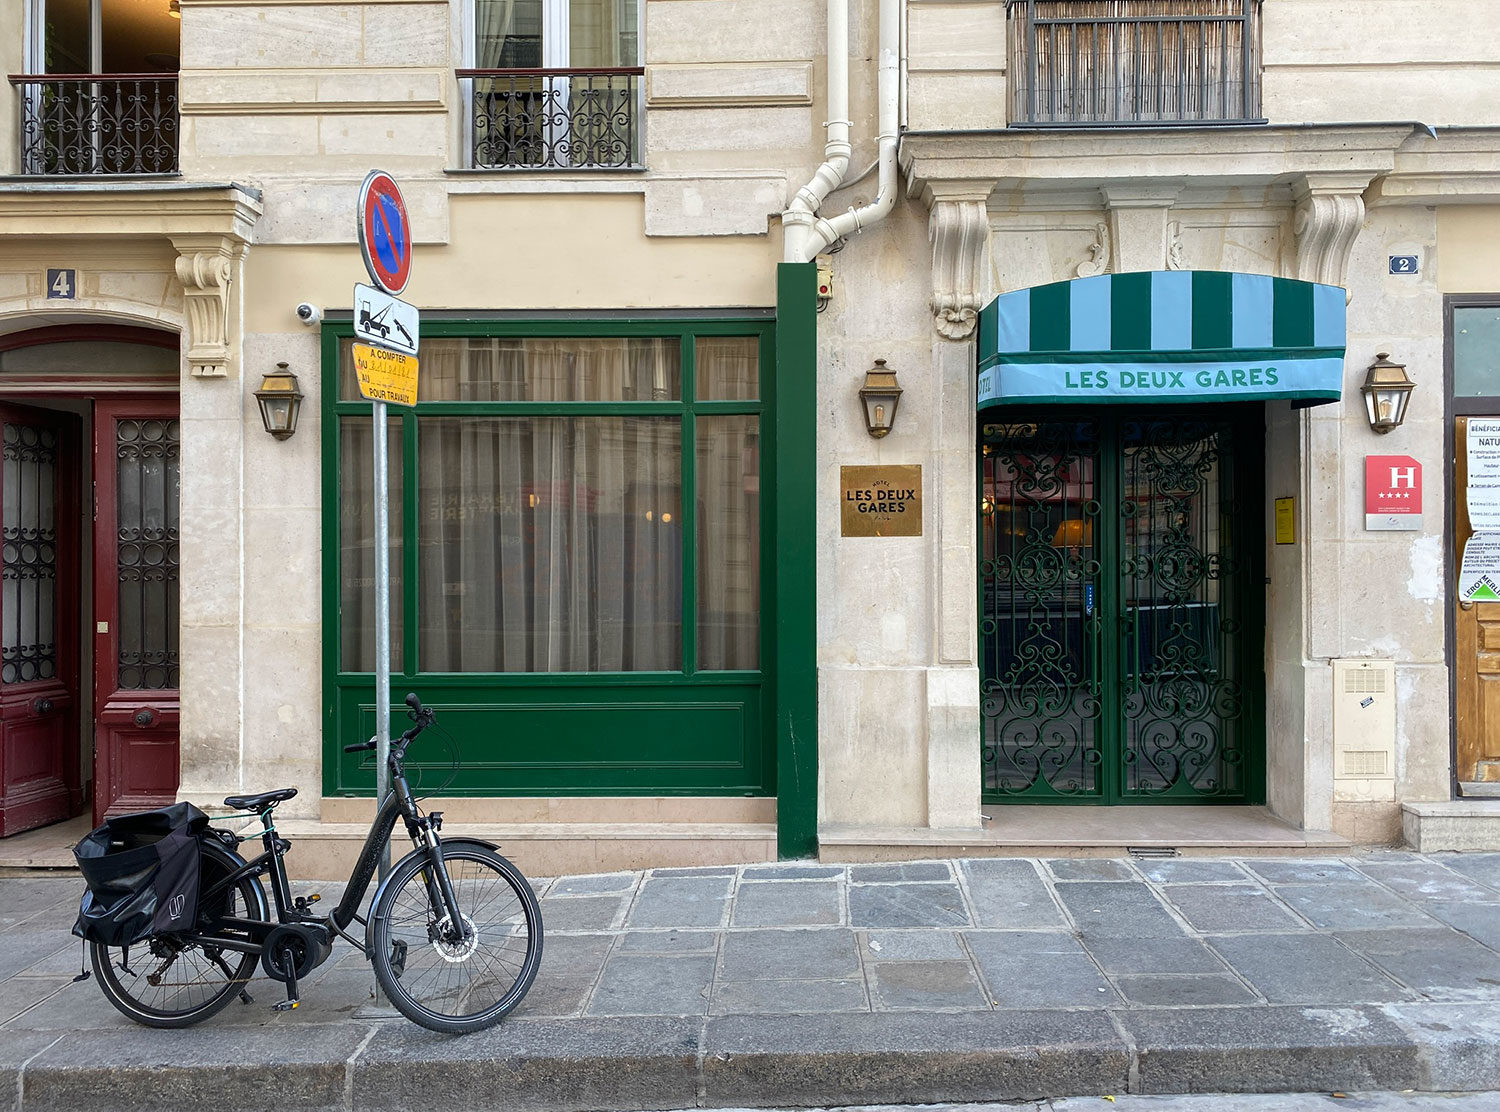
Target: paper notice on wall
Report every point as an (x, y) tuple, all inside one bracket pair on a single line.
[(1483, 493), (1479, 577), (1484, 508)]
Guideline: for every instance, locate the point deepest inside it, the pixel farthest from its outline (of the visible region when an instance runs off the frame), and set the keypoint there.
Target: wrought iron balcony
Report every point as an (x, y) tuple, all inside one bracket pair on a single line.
[(98, 123), (1104, 63), (556, 119)]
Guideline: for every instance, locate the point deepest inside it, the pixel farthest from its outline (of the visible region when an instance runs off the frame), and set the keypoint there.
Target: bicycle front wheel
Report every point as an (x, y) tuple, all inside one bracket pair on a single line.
[(463, 977), (167, 981)]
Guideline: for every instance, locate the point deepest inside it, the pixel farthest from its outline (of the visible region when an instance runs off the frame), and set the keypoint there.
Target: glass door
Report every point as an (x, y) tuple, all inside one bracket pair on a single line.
[(1120, 610)]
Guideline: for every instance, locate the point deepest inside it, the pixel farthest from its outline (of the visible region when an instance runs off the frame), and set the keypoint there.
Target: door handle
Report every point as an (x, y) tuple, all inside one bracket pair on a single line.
[(41, 706), (144, 718)]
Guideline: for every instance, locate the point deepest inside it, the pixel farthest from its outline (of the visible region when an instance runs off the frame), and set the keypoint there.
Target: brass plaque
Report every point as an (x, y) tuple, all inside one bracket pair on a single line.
[(881, 501)]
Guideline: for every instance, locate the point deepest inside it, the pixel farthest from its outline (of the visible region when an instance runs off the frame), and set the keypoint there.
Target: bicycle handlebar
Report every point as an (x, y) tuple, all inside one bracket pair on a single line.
[(423, 716)]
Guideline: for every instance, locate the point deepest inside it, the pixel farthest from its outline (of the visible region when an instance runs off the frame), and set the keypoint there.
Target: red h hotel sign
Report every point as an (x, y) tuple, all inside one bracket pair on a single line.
[(1393, 492)]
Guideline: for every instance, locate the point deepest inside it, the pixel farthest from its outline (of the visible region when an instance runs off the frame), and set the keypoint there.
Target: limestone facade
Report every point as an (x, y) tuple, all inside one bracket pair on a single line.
[(285, 106)]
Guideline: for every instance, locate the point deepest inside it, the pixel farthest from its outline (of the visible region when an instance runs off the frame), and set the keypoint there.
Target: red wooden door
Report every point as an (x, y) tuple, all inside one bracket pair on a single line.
[(39, 740), (137, 481)]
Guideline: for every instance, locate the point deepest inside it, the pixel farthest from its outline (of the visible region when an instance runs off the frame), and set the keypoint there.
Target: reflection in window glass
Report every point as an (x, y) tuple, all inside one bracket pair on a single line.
[(550, 544), (356, 543), (728, 453), (1476, 352)]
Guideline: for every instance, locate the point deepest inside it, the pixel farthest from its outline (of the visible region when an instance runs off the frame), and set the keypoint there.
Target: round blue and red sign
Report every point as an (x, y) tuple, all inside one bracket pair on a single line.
[(384, 232)]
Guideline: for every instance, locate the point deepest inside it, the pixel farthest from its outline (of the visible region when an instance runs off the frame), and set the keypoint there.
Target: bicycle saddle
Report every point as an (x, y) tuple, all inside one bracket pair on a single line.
[(257, 802)]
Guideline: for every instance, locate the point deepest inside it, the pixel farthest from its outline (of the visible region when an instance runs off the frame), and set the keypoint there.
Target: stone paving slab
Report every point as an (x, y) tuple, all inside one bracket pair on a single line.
[(804, 984)]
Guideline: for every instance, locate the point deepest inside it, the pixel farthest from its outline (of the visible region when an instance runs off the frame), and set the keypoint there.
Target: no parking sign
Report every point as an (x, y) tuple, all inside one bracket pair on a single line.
[(384, 232)]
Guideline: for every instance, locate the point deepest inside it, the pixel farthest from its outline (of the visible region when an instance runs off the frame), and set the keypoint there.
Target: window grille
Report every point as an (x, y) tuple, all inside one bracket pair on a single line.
[(1133, 62)]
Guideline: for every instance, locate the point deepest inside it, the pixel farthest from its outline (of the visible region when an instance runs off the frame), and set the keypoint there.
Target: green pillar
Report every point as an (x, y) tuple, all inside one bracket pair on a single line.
[(794, 483)]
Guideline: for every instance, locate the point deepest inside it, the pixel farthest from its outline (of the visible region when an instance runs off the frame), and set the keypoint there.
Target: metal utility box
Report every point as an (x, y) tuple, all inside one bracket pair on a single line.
[(1364, 730)]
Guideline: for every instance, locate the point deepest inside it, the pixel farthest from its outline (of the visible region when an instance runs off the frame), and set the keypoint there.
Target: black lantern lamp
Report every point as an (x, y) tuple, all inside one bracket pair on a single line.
[(280, 402), (879, 396), (1386, 390)]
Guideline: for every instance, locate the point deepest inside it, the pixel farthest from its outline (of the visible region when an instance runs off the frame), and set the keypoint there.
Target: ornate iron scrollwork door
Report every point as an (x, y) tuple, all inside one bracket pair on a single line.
[(1119, 615)]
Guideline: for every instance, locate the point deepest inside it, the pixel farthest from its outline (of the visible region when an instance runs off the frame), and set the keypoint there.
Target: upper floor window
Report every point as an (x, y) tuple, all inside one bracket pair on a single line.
[(101, 94), (1133, 62), (556, 84)]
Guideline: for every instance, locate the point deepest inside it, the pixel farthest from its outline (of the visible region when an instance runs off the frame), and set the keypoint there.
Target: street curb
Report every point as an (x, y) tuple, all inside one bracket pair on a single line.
[(576, 1065)]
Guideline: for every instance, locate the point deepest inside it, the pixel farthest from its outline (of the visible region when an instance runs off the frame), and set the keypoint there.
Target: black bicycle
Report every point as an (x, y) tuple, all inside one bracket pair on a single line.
[(454, 933)]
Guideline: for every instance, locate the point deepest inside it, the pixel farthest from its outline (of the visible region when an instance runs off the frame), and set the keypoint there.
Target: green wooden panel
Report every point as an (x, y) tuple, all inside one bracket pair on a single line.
[(570, 739)]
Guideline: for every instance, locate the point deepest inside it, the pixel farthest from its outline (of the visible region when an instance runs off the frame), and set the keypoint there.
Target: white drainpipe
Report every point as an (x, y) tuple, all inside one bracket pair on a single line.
[(806, 234), (797, 220)]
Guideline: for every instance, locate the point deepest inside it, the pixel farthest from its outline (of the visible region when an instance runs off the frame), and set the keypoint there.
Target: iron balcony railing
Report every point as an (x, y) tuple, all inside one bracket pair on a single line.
[(98, 123), (1095, 63), (556, 119)]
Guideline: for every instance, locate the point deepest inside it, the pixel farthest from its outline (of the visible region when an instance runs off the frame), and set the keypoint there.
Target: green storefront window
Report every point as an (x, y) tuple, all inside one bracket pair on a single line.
[(578, 555)]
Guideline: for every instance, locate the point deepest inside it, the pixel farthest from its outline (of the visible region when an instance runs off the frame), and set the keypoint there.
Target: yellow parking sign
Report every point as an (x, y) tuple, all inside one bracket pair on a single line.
[(385, 376)]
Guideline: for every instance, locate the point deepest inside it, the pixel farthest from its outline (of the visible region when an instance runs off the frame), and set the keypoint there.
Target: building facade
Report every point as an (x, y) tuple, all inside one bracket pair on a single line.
[(1129, 261)]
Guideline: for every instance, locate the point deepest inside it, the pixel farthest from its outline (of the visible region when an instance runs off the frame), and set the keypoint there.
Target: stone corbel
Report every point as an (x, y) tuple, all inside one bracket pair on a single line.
[(1330, 212), (1139, 230), (206, 271), (959, 228)]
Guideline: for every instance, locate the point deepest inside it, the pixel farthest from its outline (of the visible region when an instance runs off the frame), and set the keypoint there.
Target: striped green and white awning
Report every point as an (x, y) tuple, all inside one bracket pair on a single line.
[(1164, 336)]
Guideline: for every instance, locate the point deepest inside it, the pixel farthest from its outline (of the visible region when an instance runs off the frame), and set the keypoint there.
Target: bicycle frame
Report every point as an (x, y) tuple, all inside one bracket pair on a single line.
[(423, 831)]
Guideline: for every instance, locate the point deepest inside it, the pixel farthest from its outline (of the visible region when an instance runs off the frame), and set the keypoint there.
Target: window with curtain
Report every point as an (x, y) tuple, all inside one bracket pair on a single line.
[(556, 83), (587, 504)]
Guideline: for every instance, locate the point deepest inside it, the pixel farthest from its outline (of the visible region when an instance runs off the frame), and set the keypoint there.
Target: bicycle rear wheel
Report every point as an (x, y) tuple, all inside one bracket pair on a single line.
[(432, 976), (165, 981)]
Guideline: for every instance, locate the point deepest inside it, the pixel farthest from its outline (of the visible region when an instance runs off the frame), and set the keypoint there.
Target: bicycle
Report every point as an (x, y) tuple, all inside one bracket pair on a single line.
[(454, 932)]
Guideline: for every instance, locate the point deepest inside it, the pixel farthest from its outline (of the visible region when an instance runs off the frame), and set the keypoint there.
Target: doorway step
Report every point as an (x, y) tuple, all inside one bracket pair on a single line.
[(1043, 831), (1471, 823), (557, 836), (47, 847)]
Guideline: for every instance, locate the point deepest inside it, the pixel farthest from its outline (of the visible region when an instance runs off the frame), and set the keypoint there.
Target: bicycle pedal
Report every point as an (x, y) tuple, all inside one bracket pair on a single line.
[(285, 1005)]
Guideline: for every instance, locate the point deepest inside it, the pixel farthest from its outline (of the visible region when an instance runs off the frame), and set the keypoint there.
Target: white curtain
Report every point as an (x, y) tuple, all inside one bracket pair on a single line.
[(549, 544)]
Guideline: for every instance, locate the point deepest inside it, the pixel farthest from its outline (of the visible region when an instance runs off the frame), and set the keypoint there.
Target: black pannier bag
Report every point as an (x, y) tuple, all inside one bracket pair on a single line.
[(142, 875)]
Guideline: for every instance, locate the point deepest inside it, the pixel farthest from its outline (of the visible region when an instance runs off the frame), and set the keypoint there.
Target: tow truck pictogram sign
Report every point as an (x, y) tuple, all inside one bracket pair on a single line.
[(385, 320)]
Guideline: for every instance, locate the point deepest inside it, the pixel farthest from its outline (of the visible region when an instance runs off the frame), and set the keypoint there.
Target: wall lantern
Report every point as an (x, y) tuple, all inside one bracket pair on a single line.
[(1386, 390), (879, 395), (280, 402)]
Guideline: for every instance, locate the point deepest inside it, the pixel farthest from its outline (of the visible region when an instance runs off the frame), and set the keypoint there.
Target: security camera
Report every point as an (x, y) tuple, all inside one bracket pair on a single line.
[(309, 314)]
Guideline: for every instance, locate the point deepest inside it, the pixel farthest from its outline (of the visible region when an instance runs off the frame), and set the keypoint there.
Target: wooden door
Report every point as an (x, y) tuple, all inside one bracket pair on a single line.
[(136, 499), (39, 740), (1476, 646)]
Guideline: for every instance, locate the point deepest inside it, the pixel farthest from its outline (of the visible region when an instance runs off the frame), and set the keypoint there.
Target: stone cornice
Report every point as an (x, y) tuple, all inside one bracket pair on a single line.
[(209, 226), (117, 211), (1460, 166), (1037, 161)]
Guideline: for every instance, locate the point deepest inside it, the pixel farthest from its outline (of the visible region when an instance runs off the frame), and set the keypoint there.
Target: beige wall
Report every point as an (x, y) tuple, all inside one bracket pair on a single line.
[(1469, 255)]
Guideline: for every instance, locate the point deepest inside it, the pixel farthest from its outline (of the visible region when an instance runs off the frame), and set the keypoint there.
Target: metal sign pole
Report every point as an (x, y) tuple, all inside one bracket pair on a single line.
[(385, 242), (382, 623)]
